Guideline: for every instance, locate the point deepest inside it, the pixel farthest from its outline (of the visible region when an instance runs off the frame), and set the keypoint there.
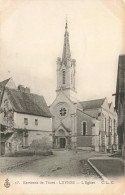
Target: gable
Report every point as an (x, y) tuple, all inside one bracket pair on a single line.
[(62, 98), (111, 108), (62, 127), (3, 83), (5, 103), (11, 84), (105, 104), (63, 67), (27, 103), (8, 83)]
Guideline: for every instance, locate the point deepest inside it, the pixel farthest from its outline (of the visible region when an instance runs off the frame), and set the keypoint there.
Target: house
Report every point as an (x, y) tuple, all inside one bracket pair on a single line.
[(24, 117), (88, 125), (120, 103)]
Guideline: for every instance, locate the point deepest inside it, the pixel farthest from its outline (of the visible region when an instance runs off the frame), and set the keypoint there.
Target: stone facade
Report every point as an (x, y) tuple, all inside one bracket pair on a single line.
[(63, 124), (21, 128), (108, 128), (85, 125), (67, 116), (91, 139)]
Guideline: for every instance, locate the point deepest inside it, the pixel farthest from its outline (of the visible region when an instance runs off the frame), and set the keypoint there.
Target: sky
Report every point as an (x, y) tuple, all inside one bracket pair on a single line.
[(32, 38)]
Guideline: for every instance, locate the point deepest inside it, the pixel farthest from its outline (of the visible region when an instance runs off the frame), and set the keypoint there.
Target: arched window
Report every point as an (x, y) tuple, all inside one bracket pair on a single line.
[(114, 126), (63, 77), (109, 124), (105, 124), (71, 78), (84, 128), (115, 133)]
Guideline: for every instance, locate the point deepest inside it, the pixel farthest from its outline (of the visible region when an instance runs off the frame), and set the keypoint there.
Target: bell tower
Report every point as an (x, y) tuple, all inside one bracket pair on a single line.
[(66, 70)]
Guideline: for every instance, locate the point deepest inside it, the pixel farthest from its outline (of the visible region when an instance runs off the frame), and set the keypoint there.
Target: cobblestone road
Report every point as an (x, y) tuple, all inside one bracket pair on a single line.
[(87, 171), (61, 164)]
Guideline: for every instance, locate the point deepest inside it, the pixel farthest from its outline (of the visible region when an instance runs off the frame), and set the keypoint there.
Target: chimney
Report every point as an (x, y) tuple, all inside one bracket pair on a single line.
[(21, 88), (27, 90)]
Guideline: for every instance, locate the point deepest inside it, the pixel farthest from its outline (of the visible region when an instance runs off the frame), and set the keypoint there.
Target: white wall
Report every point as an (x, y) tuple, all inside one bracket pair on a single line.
[(44, 123)]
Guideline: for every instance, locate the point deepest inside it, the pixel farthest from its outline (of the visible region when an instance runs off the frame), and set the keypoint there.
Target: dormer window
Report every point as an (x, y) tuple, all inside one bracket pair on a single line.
[(63, 76)]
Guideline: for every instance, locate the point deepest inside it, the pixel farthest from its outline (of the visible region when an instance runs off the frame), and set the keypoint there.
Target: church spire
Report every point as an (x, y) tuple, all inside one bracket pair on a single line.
[(66, 70), (66, 48)]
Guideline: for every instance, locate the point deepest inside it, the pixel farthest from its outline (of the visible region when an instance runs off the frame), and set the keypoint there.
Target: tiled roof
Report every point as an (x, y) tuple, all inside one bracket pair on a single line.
[(91, 104), (3, 83), (28, 103)]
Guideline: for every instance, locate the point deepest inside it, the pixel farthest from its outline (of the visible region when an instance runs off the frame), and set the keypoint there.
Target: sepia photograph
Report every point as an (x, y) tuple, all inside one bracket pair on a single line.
[(62, 97)]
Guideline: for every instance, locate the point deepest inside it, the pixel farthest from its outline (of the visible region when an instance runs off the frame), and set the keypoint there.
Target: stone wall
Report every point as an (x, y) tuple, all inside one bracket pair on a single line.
[(84, 141), (7, 113), (36, 135), (18, 141), (108, 128)]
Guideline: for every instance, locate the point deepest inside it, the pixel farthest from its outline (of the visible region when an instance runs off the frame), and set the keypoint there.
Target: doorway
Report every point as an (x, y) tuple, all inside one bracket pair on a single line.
[(62, 142), (2, 148)]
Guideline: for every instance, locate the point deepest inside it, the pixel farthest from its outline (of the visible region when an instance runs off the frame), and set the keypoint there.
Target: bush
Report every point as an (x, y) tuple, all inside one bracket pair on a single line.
[(41, 145), (28, 153), (20, 153)]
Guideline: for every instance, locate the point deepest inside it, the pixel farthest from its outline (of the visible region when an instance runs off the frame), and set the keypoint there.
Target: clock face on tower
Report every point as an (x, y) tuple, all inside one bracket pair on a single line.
[(62, 110)]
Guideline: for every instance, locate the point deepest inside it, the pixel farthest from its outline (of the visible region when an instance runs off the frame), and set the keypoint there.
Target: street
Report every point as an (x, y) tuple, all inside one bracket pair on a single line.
[(60, 164)]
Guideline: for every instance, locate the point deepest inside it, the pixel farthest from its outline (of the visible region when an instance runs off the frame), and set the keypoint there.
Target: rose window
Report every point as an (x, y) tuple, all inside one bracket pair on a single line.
[(63, 111)]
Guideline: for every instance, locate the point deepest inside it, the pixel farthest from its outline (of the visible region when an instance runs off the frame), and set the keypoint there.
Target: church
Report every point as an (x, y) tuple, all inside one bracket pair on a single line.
[(86, 125)]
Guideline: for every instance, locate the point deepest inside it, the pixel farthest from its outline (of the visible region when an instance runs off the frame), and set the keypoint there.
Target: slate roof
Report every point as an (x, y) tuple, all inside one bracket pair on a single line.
[(28, 103), (85, 113), (3, 83), (94, 113), (92, 104)]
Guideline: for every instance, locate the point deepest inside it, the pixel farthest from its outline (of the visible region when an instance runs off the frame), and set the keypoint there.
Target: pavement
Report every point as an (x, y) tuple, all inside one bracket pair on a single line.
[(109, 167)]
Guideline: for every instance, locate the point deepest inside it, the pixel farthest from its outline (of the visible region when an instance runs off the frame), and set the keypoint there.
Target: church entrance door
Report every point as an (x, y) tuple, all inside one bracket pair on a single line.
[(62, 142)]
